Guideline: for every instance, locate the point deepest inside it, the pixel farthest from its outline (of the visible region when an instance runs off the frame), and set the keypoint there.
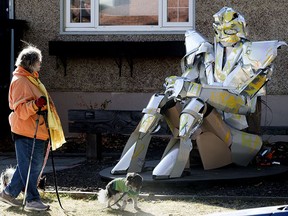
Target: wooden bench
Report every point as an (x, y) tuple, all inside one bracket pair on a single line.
[(95, 123)]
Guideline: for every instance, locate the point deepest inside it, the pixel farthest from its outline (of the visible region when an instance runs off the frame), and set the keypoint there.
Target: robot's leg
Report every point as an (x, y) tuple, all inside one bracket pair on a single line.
[(177, 152), (174, 161), (134, 153), (220, 145), (213, 151), (244, 147), (214, 141)]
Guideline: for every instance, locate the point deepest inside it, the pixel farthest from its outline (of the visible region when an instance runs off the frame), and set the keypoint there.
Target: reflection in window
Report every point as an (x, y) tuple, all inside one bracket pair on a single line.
[(178, 10), (80, 11), (133, 16), (128, 12)]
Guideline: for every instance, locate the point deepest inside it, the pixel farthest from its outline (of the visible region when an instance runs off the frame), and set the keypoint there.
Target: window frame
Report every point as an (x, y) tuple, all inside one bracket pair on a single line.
[(93, 27)]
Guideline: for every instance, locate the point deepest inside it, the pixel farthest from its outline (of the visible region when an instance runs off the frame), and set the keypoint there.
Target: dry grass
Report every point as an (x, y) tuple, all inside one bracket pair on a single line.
[(88, 205)]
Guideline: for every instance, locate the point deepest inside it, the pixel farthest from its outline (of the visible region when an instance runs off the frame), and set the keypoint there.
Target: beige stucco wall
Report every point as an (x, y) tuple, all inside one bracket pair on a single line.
[(267, 20)]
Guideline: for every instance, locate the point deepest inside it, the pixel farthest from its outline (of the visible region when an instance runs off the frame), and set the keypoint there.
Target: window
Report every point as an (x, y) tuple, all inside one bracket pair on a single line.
[(124, 16)]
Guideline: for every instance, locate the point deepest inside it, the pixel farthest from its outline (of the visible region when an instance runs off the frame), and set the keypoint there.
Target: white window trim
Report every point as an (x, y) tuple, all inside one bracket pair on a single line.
[(78, 25), (188, 24), (164, 27)]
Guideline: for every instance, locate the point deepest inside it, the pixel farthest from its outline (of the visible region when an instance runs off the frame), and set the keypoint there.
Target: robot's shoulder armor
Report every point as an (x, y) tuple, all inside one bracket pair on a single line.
[(195, 43), (260, 54)]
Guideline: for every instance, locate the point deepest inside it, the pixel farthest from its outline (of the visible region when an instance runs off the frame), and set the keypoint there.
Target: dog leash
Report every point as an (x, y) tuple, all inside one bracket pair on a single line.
[(55, 183), (55, 178), (53, 164), (119, 199), (115, 202)]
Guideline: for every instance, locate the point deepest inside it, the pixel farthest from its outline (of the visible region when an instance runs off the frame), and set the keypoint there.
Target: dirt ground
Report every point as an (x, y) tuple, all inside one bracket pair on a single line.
[(86, 178), (149, 207)]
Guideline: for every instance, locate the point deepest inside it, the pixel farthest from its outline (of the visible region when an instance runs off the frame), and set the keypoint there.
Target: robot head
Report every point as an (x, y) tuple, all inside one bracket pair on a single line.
[(229, 26)]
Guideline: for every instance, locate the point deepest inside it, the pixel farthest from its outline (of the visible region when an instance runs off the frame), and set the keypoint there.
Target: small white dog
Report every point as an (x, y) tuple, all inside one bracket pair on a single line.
[(7, 174), (122, 189), (6, 177)]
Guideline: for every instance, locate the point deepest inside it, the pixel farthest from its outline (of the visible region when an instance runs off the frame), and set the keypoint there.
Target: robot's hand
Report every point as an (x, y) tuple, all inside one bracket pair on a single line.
[(170, 81), (169, 86), (175, 87)]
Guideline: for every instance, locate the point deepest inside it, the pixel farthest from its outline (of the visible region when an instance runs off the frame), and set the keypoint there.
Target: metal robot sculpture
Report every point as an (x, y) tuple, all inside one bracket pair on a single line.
[(205, 108)]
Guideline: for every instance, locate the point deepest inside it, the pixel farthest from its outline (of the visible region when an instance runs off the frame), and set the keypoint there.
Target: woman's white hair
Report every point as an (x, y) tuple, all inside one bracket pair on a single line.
[(28, 57)]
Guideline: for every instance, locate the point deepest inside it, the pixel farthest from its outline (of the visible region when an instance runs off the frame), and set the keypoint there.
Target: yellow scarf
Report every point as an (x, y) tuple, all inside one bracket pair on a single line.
[(57, 137)]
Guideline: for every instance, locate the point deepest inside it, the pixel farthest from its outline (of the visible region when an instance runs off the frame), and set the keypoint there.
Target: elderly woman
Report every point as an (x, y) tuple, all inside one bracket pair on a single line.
[(27, 97)]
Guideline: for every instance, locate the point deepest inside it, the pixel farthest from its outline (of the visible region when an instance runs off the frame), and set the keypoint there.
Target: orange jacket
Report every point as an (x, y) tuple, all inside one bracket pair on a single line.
[(22, 94)]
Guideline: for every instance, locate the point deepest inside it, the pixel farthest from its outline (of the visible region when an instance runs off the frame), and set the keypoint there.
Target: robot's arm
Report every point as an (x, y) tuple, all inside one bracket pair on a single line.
[(219, 97), (197, 64), (255, 68), (196, 68), (180, 88)]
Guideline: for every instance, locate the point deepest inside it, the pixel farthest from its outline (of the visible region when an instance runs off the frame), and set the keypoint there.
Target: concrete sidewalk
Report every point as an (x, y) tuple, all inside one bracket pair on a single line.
[(61, 162)]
